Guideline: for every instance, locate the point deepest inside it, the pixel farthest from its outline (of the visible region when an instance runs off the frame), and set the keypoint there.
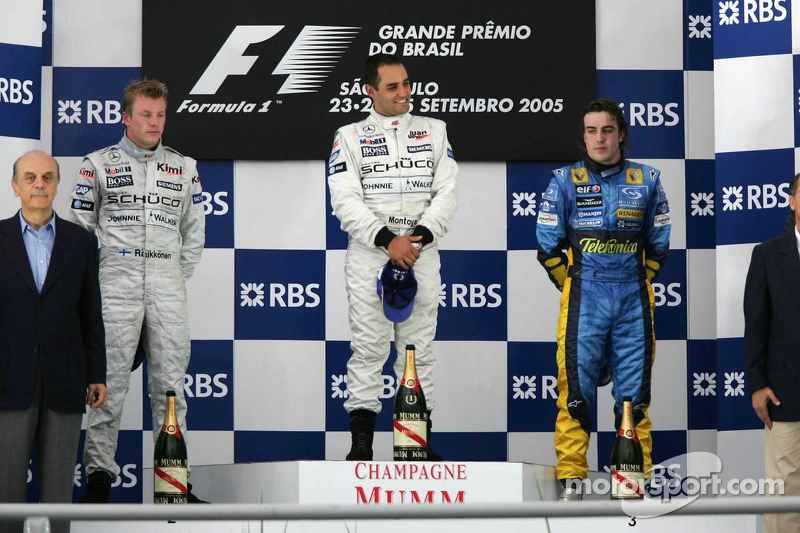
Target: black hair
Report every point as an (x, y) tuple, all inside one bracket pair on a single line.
[(373, 64), (612, 108)]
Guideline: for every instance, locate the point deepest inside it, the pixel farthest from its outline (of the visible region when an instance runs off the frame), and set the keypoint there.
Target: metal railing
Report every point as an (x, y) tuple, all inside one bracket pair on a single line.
[(237, 511)]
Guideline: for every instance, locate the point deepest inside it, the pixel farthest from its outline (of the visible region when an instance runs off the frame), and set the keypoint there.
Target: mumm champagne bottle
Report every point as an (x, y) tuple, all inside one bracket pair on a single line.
[(627, 459), (170, 472), (410, 415)]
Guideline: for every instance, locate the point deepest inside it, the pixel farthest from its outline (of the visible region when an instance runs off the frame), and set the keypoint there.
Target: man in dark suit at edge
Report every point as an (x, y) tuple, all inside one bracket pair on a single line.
[(771, 347), (52, 339)]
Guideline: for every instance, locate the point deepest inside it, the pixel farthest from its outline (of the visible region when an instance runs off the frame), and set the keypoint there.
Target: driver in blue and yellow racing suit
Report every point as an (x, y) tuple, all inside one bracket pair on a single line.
[(612, 217)]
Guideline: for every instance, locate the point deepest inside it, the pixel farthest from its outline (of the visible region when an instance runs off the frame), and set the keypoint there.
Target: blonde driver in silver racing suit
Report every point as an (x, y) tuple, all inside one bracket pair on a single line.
[(145, 206)]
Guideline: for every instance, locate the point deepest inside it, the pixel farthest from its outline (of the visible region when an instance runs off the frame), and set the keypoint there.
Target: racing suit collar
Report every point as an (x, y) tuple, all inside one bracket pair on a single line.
[(390, 123), (142, 156), (605, 171)]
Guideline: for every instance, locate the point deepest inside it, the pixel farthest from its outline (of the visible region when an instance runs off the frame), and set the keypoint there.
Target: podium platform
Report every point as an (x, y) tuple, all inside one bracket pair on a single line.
[(375, 482), (399, 483)]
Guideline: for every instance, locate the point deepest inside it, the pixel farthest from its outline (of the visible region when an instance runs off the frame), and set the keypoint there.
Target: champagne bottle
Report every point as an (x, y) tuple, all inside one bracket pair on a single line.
[(627, 459), (410, 415), (170, 472)]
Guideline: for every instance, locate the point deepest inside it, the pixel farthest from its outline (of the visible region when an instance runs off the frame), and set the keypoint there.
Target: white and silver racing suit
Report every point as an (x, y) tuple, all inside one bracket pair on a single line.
[(146, 209), (398, 173)]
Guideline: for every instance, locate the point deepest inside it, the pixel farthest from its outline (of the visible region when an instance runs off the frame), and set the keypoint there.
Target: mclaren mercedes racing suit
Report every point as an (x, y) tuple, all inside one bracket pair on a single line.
[(615, 225), (146, 208), (399, 173)]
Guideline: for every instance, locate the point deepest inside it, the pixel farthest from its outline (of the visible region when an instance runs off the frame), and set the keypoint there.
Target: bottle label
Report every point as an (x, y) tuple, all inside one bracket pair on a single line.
[(170, 480), (627, 484), (628, 434), (170, 498), (411, 383), (411, 433), (171, 429), (410, 454)]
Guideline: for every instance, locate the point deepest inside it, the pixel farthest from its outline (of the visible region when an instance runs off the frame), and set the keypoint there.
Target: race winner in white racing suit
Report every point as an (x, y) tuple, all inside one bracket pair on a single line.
[(391, 176)]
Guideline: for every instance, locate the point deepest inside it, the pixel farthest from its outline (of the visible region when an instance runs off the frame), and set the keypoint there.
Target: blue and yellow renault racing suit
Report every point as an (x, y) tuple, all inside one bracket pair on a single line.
[(614, 224)]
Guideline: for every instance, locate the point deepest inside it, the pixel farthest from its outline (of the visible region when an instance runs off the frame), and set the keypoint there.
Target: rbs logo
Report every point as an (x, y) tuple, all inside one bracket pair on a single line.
[(764, 196), (96, 112), (205, 385), (471, 295), (652, 114), (220, 206), (127, 477), (767, 196), (389, 389), (667, 294), (755, 11), (14, 91), (293, 295)]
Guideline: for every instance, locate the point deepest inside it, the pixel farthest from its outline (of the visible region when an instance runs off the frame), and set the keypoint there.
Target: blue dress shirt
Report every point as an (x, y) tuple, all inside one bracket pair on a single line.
[(39, 245)]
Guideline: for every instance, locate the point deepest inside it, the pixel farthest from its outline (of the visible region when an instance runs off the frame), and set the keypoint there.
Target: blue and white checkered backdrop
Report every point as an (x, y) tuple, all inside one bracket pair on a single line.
[(267, 302)]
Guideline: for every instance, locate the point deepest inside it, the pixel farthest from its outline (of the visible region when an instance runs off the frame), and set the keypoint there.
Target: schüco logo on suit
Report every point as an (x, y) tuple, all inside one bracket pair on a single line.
[(150, 198)]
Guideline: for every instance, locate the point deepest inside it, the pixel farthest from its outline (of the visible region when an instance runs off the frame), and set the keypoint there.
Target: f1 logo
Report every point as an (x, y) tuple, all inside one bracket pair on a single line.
[(309, 60), (229, 61)]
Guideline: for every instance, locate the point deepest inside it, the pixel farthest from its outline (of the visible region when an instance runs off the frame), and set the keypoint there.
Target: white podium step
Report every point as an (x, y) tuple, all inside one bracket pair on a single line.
[(378, 482), (397, 483)]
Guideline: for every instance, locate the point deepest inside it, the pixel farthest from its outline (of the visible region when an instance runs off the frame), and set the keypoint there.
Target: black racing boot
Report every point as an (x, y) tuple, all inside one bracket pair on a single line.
[(362, 430), (432, 455), (191, 498), (98, 489)]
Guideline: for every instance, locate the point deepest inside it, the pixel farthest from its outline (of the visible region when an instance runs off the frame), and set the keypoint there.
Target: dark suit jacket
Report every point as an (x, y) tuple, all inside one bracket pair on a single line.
[(59, 331), (772, 324)]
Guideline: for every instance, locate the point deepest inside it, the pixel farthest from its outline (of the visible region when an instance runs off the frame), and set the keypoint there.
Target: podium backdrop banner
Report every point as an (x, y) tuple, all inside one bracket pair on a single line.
[(275, 81)]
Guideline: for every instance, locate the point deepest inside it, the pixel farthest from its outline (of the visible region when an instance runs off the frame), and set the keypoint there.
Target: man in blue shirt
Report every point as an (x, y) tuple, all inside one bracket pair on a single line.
[(52, 340), (612, 217)]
